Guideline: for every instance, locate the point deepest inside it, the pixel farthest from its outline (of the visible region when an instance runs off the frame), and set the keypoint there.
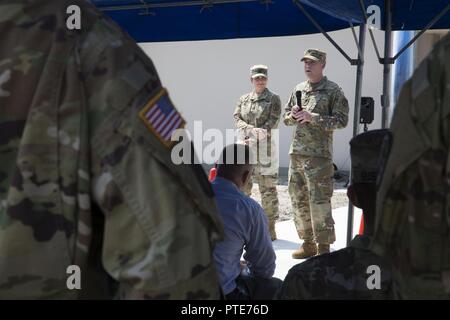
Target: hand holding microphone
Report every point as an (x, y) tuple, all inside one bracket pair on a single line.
[(300, 115), (298, 108)]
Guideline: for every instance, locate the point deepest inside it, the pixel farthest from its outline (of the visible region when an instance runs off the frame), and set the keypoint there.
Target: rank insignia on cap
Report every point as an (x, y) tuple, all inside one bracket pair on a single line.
[(162, 118)]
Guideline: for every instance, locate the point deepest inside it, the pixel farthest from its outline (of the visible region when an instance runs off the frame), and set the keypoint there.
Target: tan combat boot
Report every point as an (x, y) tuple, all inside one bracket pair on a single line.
[(323, 248), (308, 249), (273, 234)]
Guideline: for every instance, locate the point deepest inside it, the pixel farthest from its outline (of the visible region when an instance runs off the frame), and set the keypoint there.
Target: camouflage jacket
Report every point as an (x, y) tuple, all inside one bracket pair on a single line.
[(413, 203), (326, 101), (342, 274), (257, 111), (83, 179)]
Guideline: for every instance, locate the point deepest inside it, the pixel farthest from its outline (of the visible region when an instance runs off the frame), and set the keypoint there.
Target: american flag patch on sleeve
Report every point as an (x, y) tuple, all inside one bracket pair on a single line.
[(161, 117)]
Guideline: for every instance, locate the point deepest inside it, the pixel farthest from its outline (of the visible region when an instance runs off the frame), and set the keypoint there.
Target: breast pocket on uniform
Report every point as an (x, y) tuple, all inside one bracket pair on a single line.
[(322, 105), (245, 107), (305, 102), (264, 109)]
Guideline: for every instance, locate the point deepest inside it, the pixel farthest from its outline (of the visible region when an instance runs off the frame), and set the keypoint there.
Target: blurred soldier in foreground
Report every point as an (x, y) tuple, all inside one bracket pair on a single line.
[(413, 203), (256, 115), (316, 108), (86, 176), (349, 273)]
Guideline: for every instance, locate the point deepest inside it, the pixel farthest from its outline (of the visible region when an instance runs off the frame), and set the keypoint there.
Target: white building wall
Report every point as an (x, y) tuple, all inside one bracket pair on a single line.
[(206, 78)]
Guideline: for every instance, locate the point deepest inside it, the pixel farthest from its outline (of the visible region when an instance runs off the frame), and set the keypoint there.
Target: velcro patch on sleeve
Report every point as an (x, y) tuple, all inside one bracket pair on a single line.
[(162, 118)]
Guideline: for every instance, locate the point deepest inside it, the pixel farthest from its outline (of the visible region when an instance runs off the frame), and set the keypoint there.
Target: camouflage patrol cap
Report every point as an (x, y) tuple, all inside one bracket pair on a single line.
[(314, 54), (259, 70), (365, 151)]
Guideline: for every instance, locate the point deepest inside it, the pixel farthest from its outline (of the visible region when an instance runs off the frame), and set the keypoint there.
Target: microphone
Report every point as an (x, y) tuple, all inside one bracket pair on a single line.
[(298, 95)]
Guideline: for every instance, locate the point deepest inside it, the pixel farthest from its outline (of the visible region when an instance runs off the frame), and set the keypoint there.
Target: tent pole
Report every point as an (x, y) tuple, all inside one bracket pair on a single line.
[(387, 61), (363, 11), (359, 78), (356, 38)]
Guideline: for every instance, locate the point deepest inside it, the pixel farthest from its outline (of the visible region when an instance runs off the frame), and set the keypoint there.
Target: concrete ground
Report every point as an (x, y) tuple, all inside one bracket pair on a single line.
[(288, 240)]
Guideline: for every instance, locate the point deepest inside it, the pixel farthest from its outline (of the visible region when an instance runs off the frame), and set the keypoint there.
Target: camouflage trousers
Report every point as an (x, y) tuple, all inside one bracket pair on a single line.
[(268, 189), (310, 188)]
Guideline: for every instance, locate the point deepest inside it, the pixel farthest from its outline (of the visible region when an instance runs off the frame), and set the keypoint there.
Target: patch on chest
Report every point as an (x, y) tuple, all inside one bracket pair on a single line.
[(317, 102)]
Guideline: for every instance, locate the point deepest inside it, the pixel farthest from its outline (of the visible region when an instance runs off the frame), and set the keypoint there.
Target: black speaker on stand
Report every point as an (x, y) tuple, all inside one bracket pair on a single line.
[(366, 112)]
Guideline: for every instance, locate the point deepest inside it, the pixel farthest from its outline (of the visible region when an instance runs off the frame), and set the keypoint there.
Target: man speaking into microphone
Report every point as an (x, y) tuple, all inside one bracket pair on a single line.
[(316, 107)]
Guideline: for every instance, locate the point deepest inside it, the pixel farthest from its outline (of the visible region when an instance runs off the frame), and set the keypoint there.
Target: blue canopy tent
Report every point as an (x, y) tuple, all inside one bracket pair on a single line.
[(180, 20), (169, 20), (187, 20)]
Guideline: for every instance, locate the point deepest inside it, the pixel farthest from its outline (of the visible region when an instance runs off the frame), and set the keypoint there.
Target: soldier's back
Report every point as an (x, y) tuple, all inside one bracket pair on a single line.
[(343, 274), (85, 180)]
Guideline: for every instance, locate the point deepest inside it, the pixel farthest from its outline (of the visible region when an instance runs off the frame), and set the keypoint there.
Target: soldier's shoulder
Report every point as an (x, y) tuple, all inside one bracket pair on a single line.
[(301, 86), (272, 96), (252, 203), (331, 85), (437, 61), (271, 93), (304, 268), (245, 96), (442, 49), (99, 31), (339, 260)]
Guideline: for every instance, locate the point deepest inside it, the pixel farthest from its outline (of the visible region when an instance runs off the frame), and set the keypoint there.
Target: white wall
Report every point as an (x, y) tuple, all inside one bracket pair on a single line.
[(206, 78)]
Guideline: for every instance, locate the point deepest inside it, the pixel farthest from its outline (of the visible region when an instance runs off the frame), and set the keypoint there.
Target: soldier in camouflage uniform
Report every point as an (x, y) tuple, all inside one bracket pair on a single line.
[(256, 115), (413, 218), (86, 176), (322, 109), (345, 274)]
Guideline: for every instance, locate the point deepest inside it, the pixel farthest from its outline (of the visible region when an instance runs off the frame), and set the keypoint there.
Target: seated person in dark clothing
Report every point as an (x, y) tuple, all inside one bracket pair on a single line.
[(354, 272), (246, 228)]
